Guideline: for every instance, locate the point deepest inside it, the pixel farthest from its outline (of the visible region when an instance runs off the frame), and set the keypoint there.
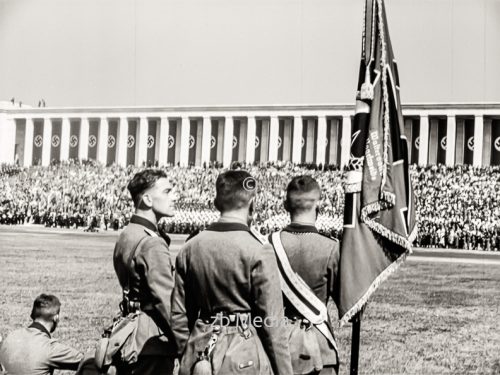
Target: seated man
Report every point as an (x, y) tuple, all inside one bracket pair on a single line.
[(32, 350)]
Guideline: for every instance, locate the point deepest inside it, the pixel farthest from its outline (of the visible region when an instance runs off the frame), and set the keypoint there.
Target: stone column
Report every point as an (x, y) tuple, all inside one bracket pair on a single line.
[(478, 140), (451, 136), (102, 144), (345, 142), (206, 139), (297, 139), (273, 138), (47, 141), (141, 142), (83, 142), (487, 142), (228, 141), (121, 157), (423, 148), (7, 139), (321, 140), (28, 142), (251, 129), (163, 141), (184, 153), (65, 138)]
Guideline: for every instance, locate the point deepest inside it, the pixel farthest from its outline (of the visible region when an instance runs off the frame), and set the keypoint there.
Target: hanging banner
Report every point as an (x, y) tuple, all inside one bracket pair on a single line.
[(74, 138), (442, 141), (281, 138), (193, 142), (495, 142), (214, 136), (131, 141), (151, 142), (303, 142), (172, 140), (415, 140), (468, 141), (258, 138), (55, 140), (37, 142), (112, 141), (93, 139), (236, 140)]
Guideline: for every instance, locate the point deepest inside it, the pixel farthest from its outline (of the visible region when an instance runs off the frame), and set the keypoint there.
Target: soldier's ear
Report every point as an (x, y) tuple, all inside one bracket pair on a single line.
[(147, 200), (286, 205)]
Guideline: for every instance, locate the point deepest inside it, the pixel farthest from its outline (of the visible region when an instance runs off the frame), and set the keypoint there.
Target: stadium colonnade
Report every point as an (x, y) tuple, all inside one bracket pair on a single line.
[(438, 133)]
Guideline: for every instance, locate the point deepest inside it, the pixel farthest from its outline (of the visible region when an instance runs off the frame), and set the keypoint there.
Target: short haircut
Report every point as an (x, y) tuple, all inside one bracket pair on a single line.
[(234, 190), (301, 194), (46, 306), (142, 181)]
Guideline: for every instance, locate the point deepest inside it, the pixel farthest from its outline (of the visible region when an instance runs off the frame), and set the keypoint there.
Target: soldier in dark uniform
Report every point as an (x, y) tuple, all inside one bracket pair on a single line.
[(314, 257), (224, 278), (150, 272)]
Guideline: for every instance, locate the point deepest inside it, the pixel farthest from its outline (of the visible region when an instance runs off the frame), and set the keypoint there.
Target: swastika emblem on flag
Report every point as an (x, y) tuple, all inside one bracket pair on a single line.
[(151, 141), (302, 142), (92, 141), (235, 141), (55, 141), (257, 141), (130, 141), (213, 142), (417, 143), (280, 142), (470, 143), (192, 141), (443, 143), (73, 141), (497, 144), (111, 141), (171, 141), (38, 141)]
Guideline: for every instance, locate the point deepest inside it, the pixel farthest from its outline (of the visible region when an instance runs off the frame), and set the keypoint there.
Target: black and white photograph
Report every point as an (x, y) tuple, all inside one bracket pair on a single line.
[(267, 187)]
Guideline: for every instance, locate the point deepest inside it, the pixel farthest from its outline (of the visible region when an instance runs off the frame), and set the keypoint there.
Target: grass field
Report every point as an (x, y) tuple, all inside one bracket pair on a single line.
[(428, 318)]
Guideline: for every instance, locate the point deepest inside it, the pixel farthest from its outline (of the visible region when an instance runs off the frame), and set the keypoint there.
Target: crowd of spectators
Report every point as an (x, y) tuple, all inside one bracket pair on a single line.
[(456, 207)]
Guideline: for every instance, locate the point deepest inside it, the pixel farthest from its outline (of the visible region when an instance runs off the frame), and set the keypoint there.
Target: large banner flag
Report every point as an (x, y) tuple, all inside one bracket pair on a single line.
[(379, 217)]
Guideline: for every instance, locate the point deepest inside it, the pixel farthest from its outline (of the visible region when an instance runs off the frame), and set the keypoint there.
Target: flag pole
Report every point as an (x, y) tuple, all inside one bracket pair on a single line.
[(356, 333)]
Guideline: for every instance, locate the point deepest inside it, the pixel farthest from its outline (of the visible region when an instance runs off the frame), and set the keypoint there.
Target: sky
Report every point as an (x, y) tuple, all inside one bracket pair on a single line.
[(78, 53)]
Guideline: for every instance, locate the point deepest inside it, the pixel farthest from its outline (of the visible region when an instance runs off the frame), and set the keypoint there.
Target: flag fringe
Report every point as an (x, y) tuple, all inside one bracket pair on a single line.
[(372, 288)]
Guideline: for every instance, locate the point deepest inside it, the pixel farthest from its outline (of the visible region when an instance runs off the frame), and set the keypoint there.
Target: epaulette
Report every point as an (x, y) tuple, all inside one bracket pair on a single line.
[(329, 237), (150, 232)]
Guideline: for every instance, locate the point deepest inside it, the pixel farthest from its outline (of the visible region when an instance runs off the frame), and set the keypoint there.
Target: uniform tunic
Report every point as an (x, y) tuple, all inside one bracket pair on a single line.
[(151, 283), (224, 269), (314, 258), (32, 351)]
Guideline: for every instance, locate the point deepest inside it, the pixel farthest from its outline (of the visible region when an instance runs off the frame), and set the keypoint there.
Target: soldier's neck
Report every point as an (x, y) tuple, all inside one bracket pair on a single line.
[(234, 217), (148, 215), (308, 218)]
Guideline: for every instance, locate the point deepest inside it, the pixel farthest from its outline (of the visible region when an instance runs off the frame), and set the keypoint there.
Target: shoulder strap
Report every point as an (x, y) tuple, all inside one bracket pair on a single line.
[(133, 253), (299, 293)]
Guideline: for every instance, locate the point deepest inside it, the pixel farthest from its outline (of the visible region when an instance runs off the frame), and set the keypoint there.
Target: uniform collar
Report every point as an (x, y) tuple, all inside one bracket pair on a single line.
[(136, 219), (219, 226), (40, 327), (300, 228)]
